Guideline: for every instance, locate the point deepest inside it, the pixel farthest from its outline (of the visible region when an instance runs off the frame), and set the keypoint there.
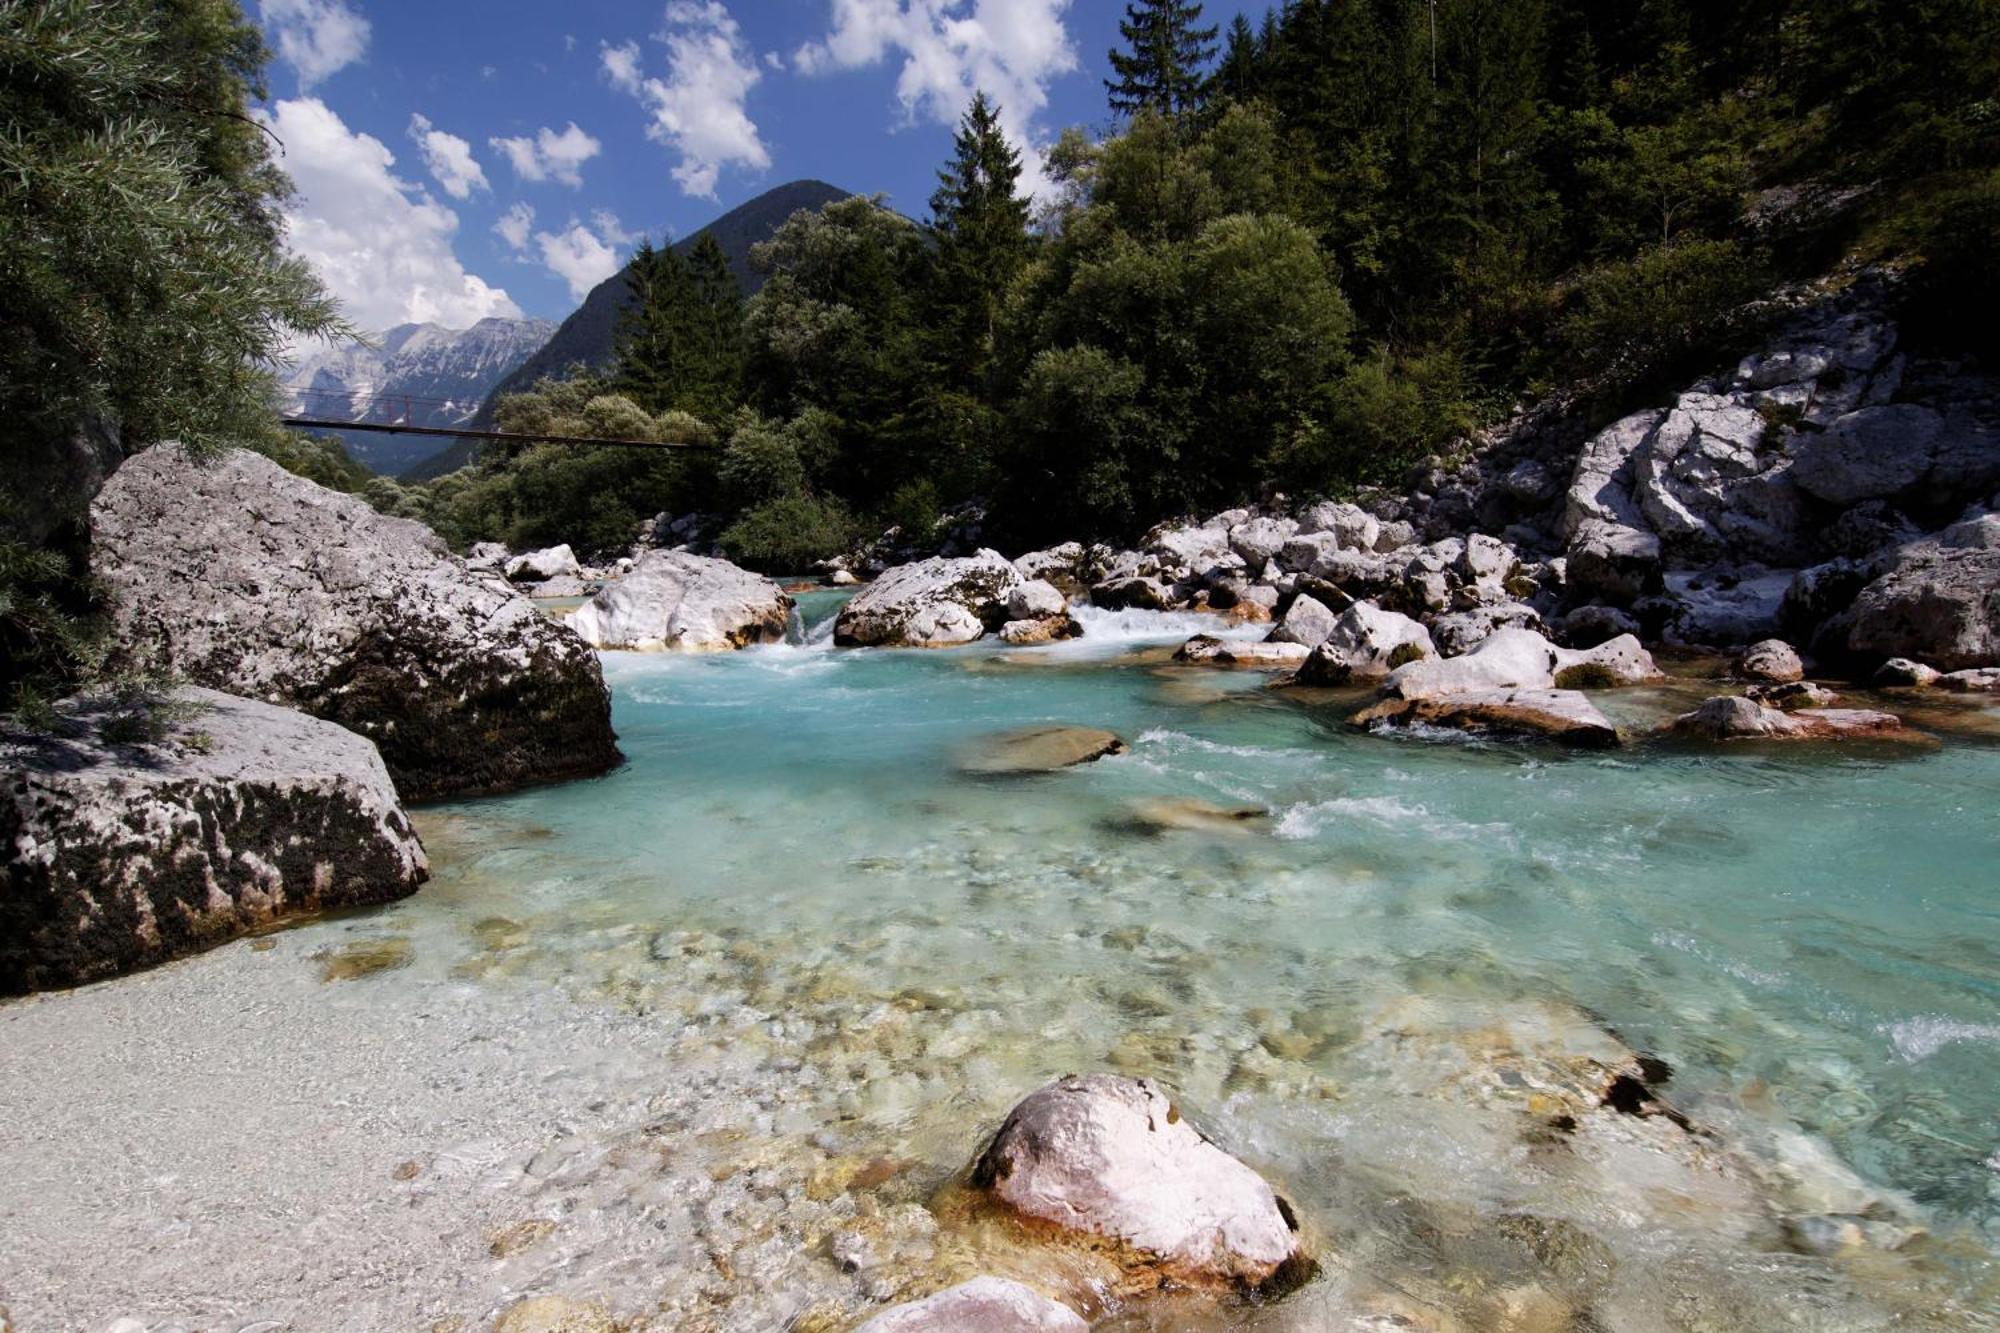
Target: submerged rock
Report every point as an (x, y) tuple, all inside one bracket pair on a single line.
[(677, 602), (245, 578), (1040, 750), (1164, 814), (983, 1305), (123, 855), (1559, 715), (1793, 695), (1112, 1159), (1976, 680), (1729, 717), (935, 603)]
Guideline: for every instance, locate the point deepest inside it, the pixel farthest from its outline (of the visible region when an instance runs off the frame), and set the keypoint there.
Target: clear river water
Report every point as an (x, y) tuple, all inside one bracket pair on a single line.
[(1372, 986)]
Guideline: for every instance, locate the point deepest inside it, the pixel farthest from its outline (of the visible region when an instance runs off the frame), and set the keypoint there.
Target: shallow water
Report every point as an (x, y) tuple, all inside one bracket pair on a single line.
[(792, 869)]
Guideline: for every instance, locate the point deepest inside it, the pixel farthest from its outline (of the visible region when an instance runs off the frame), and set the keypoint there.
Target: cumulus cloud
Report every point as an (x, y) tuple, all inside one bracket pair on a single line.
[(449, 158), (950, 49), (514, 226), (381, 244), (550, 155), (578, 256), (318, 38), (697, 109)]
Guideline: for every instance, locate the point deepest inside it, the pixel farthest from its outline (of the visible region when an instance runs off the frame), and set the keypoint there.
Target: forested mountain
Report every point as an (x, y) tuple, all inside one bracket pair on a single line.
[(586, 336), (1317, 252), (417, 374)]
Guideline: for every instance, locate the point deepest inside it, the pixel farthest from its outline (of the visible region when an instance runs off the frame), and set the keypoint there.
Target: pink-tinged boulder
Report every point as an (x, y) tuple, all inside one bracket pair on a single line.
[(983, 1305), (1207, 650), (1111, 1159)]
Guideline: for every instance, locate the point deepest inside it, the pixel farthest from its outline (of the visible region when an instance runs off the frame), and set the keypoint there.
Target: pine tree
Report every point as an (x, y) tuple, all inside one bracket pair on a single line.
[(652, 346), (981, 225), (716, 380), (1162, 69), (1239, 76)]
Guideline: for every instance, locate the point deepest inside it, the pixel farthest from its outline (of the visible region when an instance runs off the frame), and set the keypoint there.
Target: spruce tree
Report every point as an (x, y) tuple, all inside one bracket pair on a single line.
[(981, 225), (1162, 69), (1240, 73), (653, 343)]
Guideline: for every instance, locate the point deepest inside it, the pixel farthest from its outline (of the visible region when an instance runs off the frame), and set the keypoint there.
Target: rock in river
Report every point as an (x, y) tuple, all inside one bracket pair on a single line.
[(1112, 1159), (1728, 718), (678, 602), (126, 854), (1040, 750), (242, 577), (983, 1305), (1559, 715), (935, 603)]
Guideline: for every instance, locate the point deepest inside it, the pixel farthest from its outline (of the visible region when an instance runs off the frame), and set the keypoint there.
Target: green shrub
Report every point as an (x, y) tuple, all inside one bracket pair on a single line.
[(914, 508), (788, 534), (1641, 317), (1586, 676), (1405, 653), (1954, 292)]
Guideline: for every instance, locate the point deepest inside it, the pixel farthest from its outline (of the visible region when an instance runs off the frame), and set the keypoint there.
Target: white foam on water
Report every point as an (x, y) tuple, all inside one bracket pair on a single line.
[(1309, 818), (1922, 1037), (1688, 944), (1109, 632)]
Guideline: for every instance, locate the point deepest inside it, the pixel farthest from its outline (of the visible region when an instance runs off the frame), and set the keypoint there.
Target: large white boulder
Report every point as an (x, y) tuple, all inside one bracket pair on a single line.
[(1362, 644), (238, 575), (935, 603), (1939, 601), (540, 566), (1307, 621), (1113, 1158), (983, 1305), (1520, 659), (1258, 540), (678, 602), (1037, 599), (131, 841)]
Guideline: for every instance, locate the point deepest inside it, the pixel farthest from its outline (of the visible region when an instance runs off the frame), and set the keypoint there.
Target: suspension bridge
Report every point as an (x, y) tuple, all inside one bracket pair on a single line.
[(408, 414)]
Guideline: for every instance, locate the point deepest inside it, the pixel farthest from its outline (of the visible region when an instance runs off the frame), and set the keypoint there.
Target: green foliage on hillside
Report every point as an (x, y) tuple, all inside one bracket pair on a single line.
[(1316, 260)]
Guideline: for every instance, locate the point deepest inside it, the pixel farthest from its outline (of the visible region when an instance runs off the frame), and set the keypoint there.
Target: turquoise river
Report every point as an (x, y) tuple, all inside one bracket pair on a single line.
[(792, 935)]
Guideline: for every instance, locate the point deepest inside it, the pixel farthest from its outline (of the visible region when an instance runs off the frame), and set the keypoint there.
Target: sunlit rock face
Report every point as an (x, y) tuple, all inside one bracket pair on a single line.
[(242, 577), (126, 853)]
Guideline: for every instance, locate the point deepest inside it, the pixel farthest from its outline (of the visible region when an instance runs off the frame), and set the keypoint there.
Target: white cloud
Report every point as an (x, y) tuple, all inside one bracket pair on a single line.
[(697, 109), (621, 66), (318, 38), (610, 228), (514, 226), (381, 244), (449, 158), (1010, 49), (578, 256), (549, 155)]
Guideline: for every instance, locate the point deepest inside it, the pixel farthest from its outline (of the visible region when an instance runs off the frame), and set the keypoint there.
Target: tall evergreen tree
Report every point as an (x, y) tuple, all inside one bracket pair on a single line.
[(1162, 69), (1239, 75), (652, 344), (981, 225)]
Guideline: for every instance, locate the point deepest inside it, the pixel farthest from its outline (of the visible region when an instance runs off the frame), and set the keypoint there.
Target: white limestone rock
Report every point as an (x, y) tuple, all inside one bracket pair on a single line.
[(541, 566), (242, 577), (1361, 644), (983, 1305), (678, 602), (123, 854), (935, 603), (1113, 1158)]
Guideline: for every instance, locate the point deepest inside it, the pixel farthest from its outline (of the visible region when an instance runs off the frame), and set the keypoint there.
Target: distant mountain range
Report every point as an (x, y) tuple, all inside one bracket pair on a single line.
[(420, 375), (586, 336)]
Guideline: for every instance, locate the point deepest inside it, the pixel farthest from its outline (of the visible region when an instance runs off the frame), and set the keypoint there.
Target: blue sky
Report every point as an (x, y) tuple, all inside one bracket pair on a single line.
[(463, 158)]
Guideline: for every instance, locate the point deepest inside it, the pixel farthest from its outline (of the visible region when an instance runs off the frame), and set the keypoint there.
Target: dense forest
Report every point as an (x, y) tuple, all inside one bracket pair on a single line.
[(1316, 250), (1311, 252)]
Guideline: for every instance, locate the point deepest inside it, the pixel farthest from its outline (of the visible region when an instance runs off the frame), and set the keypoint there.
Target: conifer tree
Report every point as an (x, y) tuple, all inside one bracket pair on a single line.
[(1239, 75), (981, 225), (652, 345), (1161, 70)]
